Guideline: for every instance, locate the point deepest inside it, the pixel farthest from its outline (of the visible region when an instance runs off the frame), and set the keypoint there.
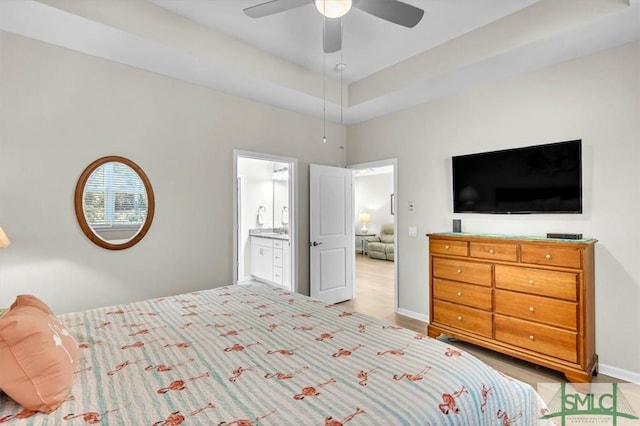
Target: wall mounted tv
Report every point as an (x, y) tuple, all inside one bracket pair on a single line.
[(535, 179)]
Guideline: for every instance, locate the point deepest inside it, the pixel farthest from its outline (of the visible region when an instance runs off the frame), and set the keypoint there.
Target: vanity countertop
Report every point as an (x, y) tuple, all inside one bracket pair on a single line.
[(269, 233)]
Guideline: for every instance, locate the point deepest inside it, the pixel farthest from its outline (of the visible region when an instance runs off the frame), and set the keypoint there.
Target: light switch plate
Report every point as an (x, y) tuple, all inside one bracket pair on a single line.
[(411, 206), (413, 231)]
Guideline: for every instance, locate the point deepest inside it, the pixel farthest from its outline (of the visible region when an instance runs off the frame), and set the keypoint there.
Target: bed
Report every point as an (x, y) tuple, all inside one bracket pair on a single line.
[(253, 354)]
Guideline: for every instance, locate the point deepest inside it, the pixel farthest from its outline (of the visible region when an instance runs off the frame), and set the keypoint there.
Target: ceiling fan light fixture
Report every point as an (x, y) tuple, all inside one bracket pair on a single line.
[(333, 8)]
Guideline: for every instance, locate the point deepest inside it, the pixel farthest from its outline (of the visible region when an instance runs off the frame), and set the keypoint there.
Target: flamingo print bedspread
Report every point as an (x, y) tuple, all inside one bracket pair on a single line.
[(256, 355)]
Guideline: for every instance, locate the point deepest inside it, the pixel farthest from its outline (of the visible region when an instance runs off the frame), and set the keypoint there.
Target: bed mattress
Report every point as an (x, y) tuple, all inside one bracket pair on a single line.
[(254, 354)]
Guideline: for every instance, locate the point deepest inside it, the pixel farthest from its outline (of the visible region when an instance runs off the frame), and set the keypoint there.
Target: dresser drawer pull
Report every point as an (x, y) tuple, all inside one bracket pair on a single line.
[(459, 271), (532, 337), (532, 282), (548, 256), (491, 251), (459, 317), (446, 247), (459, 293), (531, 309)]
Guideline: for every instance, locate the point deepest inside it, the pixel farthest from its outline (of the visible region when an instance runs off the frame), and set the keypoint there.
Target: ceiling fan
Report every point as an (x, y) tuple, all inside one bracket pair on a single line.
[(390, 10)]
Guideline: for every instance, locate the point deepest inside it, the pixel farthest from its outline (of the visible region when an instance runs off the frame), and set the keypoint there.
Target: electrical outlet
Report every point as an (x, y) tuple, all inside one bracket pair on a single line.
[(413, 231)]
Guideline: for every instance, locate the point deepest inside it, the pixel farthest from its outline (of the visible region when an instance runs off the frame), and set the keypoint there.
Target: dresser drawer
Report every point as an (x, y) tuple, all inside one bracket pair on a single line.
[(455, 248), (462, 317), (562, 285), (462, 270), (536, 308), (568, 257), (495, 251), (537, 337), (464, 294)]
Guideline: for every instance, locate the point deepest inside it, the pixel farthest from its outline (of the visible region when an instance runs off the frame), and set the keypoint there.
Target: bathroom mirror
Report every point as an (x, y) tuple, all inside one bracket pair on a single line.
[(114, 202), (280, 198)]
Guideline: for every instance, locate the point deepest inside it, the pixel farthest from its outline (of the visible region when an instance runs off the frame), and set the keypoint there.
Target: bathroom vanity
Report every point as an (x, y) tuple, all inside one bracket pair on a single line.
[(270, 257)]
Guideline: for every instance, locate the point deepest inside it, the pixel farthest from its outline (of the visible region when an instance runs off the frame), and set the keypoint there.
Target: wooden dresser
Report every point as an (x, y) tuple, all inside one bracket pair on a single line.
[(531, 298)]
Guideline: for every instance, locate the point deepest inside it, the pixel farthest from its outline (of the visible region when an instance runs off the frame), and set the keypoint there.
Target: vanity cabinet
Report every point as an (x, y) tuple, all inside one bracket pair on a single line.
[(531, 298), (262, 258), (270, 260)]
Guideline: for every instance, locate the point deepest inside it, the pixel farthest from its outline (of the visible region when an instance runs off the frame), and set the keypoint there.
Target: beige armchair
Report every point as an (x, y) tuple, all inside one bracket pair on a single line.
[(382, 245)]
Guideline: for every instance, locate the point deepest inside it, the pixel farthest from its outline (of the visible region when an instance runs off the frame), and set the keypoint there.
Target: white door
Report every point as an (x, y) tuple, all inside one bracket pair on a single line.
[(331, 242)]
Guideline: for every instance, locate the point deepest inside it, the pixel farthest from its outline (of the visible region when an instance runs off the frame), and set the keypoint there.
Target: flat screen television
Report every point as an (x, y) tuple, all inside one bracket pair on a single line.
[(535, 179)]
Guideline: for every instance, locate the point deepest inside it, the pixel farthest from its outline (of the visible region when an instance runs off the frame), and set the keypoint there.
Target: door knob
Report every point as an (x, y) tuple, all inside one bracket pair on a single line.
[(315, 243)]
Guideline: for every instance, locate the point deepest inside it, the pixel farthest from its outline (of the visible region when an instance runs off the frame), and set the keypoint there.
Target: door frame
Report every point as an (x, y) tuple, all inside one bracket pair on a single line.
[(381, 163), (293, 211)]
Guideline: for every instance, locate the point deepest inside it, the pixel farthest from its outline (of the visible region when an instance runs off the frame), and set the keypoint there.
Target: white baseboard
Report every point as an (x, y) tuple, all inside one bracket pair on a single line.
[(414, 315), (619, 373), (607, 370)]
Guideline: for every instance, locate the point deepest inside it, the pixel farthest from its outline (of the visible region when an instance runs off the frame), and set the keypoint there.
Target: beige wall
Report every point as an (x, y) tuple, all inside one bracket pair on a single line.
[(594, 98), (60, 110)]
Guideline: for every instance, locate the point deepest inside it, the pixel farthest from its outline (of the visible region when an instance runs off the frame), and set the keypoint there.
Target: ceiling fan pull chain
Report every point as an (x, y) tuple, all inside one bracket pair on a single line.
[(324, 87)]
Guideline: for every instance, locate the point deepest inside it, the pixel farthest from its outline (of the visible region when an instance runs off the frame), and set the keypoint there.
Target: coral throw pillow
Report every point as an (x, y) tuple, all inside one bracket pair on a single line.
[(37, 355)]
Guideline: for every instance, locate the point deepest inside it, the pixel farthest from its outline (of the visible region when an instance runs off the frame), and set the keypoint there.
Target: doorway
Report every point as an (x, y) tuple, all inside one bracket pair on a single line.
[(265, 219), (375, 190)]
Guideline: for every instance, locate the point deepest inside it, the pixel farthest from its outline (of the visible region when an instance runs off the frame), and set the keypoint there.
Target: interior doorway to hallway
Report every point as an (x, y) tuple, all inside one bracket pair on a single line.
[(376, 256)]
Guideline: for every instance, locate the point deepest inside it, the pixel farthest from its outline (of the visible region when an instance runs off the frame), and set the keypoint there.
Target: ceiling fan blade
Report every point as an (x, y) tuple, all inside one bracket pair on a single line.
[(273, 7), (332, 35), (391, 10)]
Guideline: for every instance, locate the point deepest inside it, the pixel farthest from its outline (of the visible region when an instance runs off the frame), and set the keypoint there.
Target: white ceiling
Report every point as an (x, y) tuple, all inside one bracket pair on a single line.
[(372, 171), (278, 60), (370, 43)]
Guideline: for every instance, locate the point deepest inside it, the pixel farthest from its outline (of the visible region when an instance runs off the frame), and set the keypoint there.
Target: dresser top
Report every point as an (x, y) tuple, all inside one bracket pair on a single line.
[(469, 235)]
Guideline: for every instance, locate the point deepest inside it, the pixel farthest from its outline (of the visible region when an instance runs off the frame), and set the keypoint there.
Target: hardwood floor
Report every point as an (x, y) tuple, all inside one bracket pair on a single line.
[(375, 297)]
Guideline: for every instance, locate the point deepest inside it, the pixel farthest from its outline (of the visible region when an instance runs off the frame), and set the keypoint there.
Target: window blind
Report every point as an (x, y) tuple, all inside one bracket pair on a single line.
[(115, 196)]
